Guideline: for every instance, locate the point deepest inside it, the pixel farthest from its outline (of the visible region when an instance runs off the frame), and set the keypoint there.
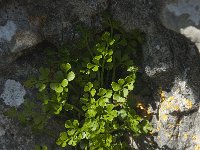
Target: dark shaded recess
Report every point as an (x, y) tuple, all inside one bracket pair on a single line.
[(36, 56)]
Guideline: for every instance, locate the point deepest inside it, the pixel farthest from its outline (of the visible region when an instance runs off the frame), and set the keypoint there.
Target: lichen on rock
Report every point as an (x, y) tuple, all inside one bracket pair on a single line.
[(193, 34), (7, 31), (13, 94)]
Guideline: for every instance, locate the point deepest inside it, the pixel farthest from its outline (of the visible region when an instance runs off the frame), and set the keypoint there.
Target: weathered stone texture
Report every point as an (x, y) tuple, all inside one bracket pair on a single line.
[(171, 61)]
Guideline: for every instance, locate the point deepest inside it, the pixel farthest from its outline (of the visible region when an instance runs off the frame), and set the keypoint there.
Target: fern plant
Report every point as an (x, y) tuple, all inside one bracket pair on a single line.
[(90, 96)]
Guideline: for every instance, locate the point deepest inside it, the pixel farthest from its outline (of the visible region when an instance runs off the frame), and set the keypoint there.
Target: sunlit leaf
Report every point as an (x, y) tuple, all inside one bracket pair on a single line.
[(93, 92), (101, 92), (122, 113), (91, 113), (59, 89), (109, 107), (66, 67), (112, 42), (89, 65), (88, 87), (121, 81), (96, 68), (109, 59), (125, 92), (108, 94), (118, 98), (64, 83), (70, 76), (42, 87), (110, 52), (115, 86), (98, 57), (63, 136), (71, 132)]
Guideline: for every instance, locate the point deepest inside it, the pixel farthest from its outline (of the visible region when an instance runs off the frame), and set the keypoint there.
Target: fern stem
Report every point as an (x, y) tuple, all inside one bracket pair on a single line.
[(75, 91), (114, 69), (88, 47), (102, 72), (79, 110), (99, 77), (107, 77), (111, 27)]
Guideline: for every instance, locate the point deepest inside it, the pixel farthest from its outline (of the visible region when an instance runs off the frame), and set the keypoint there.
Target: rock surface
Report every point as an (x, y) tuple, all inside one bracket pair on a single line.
[(182, 16), (13, 94), (171, 63), (24, 24), (193, 34)]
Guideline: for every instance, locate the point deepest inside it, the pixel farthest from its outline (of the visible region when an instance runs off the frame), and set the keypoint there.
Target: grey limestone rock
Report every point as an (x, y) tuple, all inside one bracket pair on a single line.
[(13, 94), (193, 34), (170, 62), (182, 16), (24, 24)]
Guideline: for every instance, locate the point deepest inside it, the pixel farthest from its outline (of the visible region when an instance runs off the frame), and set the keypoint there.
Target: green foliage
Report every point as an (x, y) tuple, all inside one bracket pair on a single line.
[(90, 95), (38, 147)]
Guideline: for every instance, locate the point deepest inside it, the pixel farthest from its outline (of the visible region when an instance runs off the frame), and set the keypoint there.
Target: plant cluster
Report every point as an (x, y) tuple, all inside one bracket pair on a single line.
[(90, 94)]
